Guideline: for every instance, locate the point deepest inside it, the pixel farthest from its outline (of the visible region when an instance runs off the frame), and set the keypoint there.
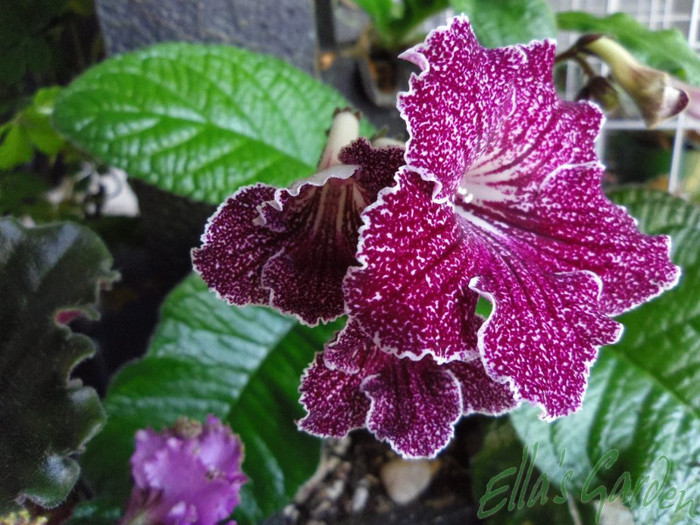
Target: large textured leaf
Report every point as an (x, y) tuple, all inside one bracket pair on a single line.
[(48, 275), (507, 22), (199, 120), (242, 364), (640, 423), (664, 49)]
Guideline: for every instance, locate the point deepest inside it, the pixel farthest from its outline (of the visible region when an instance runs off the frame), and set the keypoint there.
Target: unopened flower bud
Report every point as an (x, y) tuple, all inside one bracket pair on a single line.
[(344, 129), (650, 88), (693, 92), (601, 91)]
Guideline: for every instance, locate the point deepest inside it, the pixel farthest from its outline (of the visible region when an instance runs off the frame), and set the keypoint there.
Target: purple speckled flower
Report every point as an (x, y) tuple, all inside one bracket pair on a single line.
[(413, 405), (500, 197), (290, 248), (188, 474), (497, 195)]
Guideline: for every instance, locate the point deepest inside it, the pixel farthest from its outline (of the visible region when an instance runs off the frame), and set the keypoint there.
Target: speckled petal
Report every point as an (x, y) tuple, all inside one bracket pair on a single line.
[(573, 226), (414, 404), (318, 223), (333, 401), (348, 349), (235, 249), (480, 393), (412, 295), (458, 103), (291, 248), (545, 327), (493, 148)]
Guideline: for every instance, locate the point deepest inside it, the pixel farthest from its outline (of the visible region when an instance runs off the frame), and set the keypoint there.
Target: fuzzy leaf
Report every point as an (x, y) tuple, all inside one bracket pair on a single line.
[(507, 22), (241, 364), (200, 120), (665, 49), (48, 275), (640, 421)]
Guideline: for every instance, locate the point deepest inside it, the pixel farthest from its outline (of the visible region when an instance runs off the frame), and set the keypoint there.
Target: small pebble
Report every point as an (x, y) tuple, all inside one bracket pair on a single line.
[(405, 480), (615, 513), (335, 490), (359, 498)]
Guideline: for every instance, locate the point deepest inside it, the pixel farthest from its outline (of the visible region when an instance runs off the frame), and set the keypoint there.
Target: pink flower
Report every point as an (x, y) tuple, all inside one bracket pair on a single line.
[(188, 474)]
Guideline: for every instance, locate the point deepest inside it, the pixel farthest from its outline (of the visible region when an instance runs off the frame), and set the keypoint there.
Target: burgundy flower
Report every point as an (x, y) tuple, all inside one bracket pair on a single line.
[(500, 197), (497, 195), (188, 474), (413, 405), (290, 248)]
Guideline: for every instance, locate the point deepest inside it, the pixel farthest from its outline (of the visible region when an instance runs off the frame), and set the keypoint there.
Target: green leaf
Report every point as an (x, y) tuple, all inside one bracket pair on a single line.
[(15, 146), (505, 22), (640, 420), (381, 12), (395, 22), (22, 193), (47, 274), (241, 364), (200, 120), (30, 128), (665, 49), (36, 121)]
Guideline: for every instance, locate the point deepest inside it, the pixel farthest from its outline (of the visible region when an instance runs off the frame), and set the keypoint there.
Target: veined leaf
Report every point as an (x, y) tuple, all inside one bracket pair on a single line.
[(200, 120)]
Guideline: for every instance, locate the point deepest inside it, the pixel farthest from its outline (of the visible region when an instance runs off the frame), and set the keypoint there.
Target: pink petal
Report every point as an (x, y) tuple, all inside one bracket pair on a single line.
[(573, 226), (458, 102), (191, 476), (415, 405), (480, 393), (545, 328), (488, 121), (348, 349), (333, 401), (234, 248)]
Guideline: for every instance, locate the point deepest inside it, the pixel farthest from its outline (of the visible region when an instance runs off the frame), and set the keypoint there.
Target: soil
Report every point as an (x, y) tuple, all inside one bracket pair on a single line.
[(347, 488)]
